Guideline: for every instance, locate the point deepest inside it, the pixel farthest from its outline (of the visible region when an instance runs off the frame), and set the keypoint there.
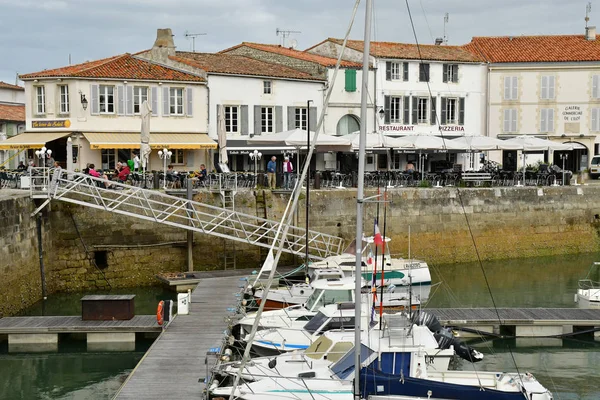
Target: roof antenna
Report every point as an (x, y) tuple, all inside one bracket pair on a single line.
[(446, 17), (193, 36), (588, 10), (284, 34)]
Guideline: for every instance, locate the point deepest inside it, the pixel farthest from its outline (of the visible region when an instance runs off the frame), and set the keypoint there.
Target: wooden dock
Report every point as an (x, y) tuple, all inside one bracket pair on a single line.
[(74, 324), (521, 322), (177, 363)]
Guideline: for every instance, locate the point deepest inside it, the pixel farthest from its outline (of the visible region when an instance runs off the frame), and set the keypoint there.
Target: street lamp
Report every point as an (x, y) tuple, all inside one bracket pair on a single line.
[(563, 157), (165, 154), (255, 155), (42, 154)]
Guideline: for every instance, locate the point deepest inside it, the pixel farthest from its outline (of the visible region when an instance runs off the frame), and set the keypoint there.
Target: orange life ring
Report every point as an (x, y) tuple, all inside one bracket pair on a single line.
[(159, 312)]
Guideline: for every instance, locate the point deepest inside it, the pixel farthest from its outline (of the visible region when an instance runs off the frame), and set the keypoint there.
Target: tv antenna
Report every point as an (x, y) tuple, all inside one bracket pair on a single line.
[(588, 10), (446, 18), (193, 36), (284, 34)]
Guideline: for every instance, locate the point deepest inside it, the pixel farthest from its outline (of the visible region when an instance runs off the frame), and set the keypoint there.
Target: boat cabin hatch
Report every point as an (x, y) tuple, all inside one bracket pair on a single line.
[(321, 323)]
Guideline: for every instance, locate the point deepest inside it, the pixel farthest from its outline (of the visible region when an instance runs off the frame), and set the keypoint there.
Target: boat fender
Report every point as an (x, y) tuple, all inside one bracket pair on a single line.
[(160, 312), (273, 363)]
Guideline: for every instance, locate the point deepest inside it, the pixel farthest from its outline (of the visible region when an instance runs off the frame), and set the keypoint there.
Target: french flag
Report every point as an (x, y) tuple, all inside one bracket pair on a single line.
[(377, 238)]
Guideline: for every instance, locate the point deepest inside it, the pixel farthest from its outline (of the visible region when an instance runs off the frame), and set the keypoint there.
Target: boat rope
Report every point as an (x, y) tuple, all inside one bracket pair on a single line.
[(293, 203), (461, 201)]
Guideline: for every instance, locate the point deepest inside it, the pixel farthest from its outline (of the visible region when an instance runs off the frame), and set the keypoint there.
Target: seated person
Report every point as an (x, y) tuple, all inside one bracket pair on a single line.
[(92, 171), (21, 167), (123, 173), (410, 167), (202, 173), (172, 176)]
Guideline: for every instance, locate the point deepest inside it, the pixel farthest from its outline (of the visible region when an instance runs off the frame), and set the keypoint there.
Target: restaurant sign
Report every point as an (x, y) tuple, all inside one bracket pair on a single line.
[(53, 123), (411, 128)]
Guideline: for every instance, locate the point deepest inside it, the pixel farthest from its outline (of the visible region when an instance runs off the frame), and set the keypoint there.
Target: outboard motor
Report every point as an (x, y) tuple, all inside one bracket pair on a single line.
[(445, 338)]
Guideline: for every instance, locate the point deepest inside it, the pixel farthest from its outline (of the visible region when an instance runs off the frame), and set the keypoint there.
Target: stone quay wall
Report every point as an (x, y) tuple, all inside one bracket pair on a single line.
[(86, 249)]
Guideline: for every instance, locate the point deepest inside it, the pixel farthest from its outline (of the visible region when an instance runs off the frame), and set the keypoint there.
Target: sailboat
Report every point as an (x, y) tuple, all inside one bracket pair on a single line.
[(362, 372)]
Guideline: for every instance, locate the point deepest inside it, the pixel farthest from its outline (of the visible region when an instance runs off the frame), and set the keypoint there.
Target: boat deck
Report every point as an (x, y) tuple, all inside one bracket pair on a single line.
[(177, 363)]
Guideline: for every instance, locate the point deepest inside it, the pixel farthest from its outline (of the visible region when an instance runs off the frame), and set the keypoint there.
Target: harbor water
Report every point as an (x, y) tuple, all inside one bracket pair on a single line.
[(570, 367)]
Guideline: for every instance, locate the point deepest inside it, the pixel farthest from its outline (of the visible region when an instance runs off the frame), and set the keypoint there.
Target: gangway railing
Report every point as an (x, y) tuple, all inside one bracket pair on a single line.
[(152, 205)]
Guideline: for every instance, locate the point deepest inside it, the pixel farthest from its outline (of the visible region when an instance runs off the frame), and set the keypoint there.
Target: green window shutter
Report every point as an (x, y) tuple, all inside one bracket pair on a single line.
[(350, 80)]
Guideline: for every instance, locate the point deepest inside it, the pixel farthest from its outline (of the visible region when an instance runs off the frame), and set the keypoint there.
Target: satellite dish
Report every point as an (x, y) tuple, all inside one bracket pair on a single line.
[(294, 43)]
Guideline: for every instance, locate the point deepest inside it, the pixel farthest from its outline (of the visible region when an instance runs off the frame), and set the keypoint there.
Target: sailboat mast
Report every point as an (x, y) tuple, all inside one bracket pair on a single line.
[(360, 192)]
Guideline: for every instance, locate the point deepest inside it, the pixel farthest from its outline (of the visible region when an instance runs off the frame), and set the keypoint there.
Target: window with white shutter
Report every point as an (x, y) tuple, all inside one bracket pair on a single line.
[(510, 120), (547, 120), (547, 87), (595, 84), (40, 100), (595, 119)]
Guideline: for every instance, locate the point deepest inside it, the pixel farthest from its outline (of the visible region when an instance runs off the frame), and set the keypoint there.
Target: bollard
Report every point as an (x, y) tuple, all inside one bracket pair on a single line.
[(155, 182)]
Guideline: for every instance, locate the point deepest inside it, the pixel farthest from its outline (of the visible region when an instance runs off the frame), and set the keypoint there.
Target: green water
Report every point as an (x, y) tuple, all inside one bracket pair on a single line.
[(73, 373), (570, 368)]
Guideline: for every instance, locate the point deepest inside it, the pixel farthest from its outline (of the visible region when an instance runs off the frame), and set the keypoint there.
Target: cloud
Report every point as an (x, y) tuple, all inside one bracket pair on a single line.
[(40, 34)]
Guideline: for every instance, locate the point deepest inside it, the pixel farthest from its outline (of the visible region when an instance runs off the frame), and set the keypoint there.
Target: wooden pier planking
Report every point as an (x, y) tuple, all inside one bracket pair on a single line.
[(511, 316), (74, 324), (174, 367)]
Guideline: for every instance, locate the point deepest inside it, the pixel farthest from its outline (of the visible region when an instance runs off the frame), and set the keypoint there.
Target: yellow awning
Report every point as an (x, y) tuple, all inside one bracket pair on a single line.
[(100, 140), (31, 140)]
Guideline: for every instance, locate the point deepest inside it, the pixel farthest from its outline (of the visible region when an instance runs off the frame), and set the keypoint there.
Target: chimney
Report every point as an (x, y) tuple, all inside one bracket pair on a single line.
[(164, 39), (590, 33), (439, 41)]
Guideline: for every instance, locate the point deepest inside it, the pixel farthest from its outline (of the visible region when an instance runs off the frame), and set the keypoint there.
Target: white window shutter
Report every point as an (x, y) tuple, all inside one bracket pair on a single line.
[(544, 93), (515, 88), (189, 97), (120, 100), (95, 106), (507, 120), (551, 120), (551, 90), (165, 101), (513, 120), (507, 91), (129, 100), (154, 101), (595, 119), (544, 120), (595, 82)]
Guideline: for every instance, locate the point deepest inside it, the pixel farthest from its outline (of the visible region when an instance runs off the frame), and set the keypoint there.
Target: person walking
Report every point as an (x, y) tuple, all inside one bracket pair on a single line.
[(271, 169), (288, 168)]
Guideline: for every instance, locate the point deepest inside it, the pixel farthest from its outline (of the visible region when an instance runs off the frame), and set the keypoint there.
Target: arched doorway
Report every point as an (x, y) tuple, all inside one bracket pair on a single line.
[(574, 160), (347, 124)]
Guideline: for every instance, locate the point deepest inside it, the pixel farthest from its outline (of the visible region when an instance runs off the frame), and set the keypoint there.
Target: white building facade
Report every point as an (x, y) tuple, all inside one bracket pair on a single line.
[(536, 88), (12, 121), (439, 91), (95, 107)]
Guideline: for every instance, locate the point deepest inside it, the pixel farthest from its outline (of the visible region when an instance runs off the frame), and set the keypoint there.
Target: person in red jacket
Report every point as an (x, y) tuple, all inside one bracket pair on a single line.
[(124, 173)]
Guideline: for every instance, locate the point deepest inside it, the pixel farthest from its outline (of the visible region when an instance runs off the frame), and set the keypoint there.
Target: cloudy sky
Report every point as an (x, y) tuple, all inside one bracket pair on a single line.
[(41, 34)]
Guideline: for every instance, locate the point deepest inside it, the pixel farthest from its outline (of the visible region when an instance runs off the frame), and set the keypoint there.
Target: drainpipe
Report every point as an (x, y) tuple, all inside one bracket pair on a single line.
[(210, 160), (375, 97), (38, 221)]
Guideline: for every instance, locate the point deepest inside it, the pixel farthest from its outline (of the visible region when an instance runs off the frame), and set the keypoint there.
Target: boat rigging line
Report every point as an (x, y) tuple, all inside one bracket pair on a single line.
[(461, 200), (288, 214)]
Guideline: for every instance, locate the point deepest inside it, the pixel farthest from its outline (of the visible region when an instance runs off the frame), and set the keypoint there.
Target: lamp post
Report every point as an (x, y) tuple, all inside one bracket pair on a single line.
[(165, 154), (563, 157), (42, 154), (255, 155)]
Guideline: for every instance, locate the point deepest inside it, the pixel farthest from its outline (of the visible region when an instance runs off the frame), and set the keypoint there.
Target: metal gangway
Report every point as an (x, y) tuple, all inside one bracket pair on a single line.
[(156, 206)]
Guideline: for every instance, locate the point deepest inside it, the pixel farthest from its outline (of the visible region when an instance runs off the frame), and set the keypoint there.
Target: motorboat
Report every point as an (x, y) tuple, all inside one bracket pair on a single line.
[(331, 291), (395, 271), (286, 296), (588, 289), (392, 344)]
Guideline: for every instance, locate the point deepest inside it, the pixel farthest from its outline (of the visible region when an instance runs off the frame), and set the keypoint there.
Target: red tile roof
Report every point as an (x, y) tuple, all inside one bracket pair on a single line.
[(408, 51), (302, 55), (124, 66), (560, 48), (4, 85), (239, 65), (12, 112)]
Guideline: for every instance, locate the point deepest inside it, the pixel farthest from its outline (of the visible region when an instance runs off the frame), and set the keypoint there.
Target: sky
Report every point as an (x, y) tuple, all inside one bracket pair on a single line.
[(42, 34)]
